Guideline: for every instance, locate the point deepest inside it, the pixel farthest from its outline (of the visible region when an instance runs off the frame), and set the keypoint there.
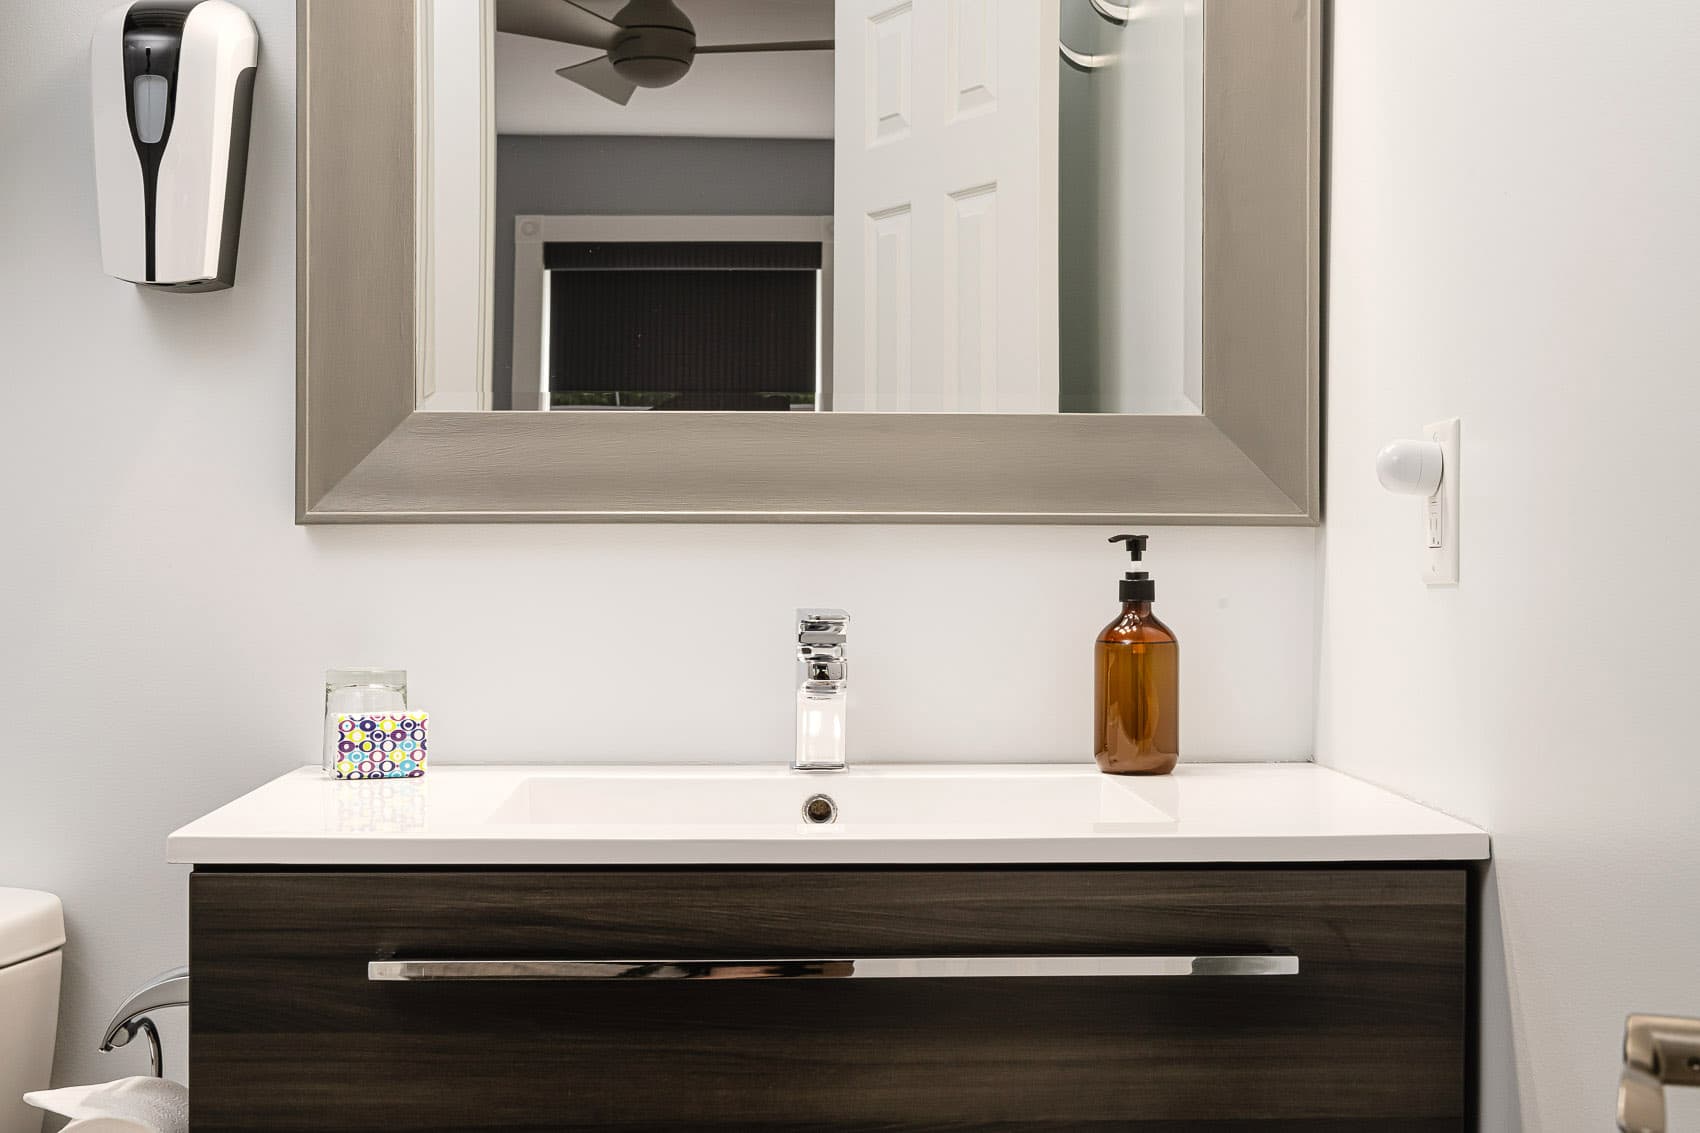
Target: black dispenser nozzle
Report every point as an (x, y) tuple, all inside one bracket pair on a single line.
[(1136, 585), (1135, 544)]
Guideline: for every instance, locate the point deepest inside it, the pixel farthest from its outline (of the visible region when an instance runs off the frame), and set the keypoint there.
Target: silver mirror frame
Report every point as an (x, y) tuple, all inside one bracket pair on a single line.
[(364, 454)]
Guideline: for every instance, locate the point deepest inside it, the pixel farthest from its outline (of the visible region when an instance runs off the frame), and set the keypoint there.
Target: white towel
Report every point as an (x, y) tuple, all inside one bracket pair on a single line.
[(129, 1105)]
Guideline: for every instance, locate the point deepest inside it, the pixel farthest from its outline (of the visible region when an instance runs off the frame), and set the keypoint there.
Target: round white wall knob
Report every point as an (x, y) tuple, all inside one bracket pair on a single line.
[(1410, 467)]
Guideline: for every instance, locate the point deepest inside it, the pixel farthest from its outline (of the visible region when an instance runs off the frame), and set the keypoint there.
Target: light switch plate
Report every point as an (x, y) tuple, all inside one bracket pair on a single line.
[(1440, 511)]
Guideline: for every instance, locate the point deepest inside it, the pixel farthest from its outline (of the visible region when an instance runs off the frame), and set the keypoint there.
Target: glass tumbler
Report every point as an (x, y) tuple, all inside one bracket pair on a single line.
[(358, 692)]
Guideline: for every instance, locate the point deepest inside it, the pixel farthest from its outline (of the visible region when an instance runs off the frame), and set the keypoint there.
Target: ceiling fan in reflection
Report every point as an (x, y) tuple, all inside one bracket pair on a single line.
[(649, 43)]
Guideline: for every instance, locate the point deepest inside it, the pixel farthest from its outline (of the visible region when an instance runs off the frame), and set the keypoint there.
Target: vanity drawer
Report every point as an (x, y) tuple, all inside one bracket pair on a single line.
[(290, 1033)]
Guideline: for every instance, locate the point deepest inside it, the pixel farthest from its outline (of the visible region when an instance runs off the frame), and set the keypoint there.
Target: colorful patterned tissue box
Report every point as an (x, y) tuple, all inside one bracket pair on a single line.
[(380, 746)]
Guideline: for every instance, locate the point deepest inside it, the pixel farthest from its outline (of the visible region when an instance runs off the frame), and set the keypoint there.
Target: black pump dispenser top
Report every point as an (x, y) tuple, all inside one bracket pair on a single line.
[(1136, 585)]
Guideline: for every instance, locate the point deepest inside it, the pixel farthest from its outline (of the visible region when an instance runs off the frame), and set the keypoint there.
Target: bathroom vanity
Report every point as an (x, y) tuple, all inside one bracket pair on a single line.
[(1235, 947)]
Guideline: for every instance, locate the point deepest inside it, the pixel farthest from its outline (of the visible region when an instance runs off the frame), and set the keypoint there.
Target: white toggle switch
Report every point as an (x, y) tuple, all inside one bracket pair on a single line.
[(1429, 468)]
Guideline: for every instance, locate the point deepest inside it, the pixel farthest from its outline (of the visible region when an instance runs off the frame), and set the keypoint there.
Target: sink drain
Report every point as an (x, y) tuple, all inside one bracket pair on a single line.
[(820, 809)]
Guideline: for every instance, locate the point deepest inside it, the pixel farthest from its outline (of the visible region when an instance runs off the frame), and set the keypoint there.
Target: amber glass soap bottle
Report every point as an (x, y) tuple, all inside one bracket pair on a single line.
[(1136, 730)]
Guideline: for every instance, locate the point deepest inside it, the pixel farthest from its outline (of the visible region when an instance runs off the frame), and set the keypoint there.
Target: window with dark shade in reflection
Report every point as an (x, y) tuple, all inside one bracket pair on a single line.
[(684, 325)]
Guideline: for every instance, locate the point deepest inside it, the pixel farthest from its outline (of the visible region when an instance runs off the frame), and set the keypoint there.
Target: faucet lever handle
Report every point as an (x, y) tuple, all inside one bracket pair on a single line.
[(822, 626)]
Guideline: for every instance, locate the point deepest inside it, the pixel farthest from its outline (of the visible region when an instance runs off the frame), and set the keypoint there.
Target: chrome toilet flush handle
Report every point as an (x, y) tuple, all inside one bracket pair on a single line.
[(1658, 1051), (168, 989)]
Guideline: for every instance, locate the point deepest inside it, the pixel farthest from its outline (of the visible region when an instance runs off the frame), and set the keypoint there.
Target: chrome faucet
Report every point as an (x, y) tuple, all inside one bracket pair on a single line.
[(823, 690)]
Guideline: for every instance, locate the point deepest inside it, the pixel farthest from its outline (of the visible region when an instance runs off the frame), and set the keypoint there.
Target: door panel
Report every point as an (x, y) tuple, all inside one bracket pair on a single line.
[(946, 206)]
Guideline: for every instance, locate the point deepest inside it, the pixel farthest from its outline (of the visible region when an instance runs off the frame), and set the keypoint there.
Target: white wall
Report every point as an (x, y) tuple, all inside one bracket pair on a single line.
[(1153, 138), (1132, 207), (165, 625), (458, 261), (1515, 238)]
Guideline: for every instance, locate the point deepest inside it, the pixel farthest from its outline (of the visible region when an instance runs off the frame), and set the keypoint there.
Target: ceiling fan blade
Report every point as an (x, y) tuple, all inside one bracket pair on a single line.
[(793, 45), (599, 75), (558, 20)]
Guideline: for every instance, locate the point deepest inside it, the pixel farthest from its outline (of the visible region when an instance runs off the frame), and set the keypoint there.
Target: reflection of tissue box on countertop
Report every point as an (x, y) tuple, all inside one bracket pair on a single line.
[(377, 806), (380, 745)]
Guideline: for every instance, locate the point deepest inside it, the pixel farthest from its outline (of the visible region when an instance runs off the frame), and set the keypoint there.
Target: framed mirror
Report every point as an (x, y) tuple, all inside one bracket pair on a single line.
[(984, 261)]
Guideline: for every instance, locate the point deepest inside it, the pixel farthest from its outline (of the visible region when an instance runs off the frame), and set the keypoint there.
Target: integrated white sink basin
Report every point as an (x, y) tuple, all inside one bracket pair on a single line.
[(565, 815), (921, 801)]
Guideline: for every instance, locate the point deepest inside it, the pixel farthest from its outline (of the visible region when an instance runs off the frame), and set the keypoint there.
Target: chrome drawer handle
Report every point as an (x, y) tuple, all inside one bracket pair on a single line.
[(873, 968)]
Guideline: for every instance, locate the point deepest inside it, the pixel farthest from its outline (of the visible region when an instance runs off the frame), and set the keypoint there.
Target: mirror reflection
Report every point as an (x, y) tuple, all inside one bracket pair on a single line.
[(808, 206)]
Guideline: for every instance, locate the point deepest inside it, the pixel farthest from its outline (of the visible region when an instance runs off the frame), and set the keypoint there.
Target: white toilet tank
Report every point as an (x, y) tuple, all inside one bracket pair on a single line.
[(32, 935)]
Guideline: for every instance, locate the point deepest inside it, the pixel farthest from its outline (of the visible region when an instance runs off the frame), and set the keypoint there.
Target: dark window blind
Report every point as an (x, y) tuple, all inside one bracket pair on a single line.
[(727, 318), (638, 255)]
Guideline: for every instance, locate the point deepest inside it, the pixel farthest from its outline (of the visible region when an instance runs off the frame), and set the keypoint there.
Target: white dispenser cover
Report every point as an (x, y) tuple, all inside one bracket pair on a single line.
[(31, 923), (186, 129)]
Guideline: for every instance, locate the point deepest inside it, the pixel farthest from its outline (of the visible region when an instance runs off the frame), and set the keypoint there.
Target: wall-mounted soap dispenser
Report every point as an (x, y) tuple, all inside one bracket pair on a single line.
[(172, 85)]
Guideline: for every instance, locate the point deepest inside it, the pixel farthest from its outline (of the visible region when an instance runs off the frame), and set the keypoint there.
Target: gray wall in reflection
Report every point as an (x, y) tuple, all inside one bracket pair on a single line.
[(641, 176), (1080, 169)]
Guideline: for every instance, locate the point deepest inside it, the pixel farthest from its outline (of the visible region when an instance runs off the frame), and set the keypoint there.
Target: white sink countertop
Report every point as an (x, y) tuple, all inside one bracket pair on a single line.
[(892, 814)]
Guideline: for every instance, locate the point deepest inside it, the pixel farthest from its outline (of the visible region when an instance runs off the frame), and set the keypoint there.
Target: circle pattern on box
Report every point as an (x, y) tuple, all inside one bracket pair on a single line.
[(382, 746)]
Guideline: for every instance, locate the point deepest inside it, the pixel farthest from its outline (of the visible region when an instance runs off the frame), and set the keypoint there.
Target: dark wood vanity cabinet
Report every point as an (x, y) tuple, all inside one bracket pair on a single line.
[(289, 1034)]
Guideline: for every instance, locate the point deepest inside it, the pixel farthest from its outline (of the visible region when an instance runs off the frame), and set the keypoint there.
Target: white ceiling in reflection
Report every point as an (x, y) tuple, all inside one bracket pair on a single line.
[(772, 95)]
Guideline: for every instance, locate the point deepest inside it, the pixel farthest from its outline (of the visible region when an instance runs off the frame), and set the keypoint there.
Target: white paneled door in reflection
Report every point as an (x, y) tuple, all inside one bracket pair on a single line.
[(946, 206)]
